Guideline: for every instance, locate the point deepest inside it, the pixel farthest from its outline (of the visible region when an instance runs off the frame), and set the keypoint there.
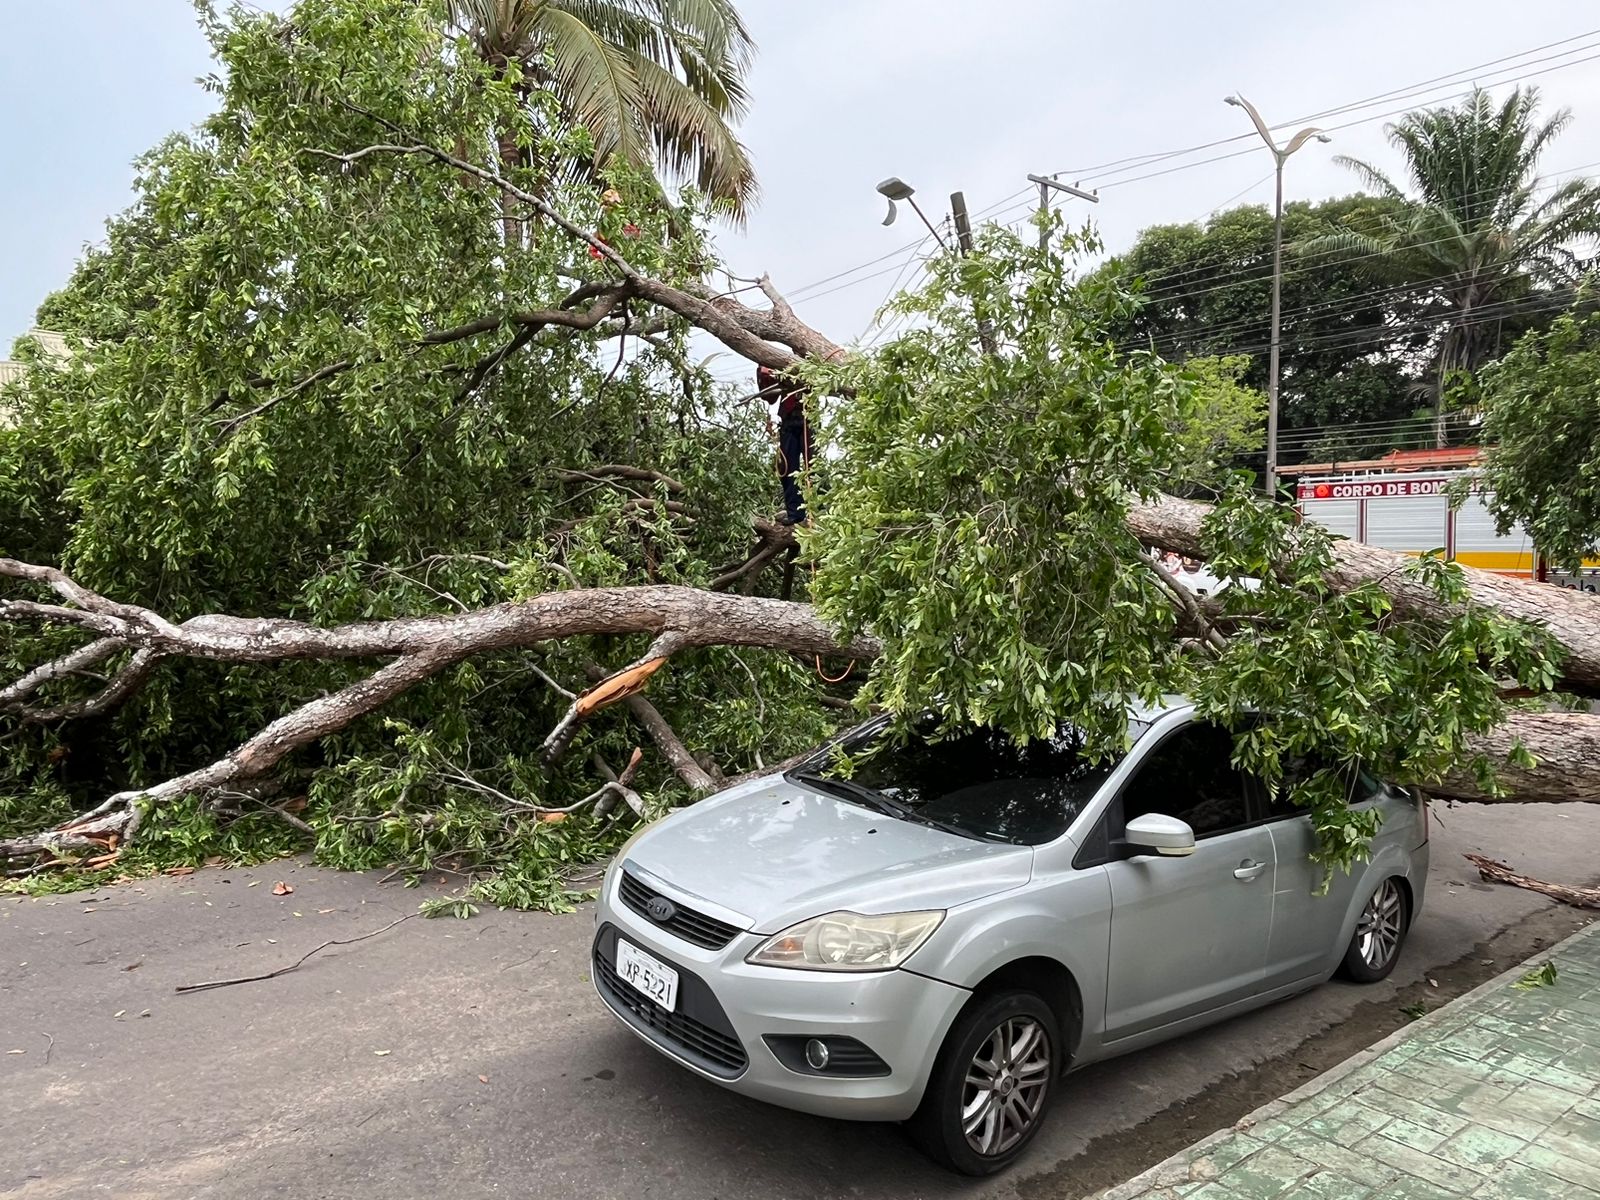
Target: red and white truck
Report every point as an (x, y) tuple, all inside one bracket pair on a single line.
[(1402, 502)]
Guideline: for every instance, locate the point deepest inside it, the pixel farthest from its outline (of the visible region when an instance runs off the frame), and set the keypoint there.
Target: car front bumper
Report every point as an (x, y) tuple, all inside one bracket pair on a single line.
[(727, 1008)]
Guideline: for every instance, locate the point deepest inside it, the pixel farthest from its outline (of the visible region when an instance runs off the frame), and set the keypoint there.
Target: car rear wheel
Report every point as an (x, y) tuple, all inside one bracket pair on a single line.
[(1380, 932), (992, 1084)]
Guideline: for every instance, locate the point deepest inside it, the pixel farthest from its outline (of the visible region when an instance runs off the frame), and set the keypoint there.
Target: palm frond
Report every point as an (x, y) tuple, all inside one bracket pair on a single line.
[(1371, 176), (693, 141), (596, 83)]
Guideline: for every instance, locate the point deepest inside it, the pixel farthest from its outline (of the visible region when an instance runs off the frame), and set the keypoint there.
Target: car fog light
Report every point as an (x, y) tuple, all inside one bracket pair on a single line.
[(817, 1055)]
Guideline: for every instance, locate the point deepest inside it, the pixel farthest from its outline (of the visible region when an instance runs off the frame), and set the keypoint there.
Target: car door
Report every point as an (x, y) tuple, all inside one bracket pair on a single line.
[(1305, 924), (1188, 934)]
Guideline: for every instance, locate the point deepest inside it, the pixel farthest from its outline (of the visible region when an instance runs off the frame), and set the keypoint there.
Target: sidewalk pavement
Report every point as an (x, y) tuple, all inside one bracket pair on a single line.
[(1496, 1094)]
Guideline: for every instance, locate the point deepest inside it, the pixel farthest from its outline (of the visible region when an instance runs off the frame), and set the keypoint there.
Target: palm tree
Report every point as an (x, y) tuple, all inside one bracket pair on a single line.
[(1475, 224), (653, 81)]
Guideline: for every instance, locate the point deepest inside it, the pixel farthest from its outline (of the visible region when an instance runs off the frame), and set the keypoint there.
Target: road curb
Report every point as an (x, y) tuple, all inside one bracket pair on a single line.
[(1175, 1169)]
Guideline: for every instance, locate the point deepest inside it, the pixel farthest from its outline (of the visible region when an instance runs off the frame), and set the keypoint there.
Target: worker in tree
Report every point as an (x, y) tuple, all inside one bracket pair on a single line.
[(794, 437)]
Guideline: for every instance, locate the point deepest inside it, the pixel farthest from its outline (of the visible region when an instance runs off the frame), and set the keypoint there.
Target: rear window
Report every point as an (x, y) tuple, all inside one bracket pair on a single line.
[(978, 781)]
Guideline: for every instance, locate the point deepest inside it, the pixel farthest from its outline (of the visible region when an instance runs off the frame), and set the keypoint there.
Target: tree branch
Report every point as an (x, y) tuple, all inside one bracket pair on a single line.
[(697, 617), (122, 685), (89, 655), (1185, 600), (1570, 617), (528, 322), (747, 331), (611, 471)]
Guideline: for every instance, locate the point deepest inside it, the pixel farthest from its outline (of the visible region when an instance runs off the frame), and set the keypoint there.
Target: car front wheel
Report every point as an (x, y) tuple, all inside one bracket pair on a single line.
[(992, 1084), (1380, 932)]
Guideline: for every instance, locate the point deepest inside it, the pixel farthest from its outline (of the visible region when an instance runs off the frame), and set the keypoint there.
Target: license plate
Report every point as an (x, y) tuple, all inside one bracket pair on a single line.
[(647, 974)]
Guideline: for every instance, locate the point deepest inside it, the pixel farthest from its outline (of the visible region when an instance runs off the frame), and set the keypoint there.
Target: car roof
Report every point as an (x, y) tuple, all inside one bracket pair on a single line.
[(1150, 713)]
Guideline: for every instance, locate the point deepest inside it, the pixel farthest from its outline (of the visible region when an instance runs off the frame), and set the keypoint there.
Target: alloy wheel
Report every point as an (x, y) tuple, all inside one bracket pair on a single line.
[(1005, 1085), (1381, 924)]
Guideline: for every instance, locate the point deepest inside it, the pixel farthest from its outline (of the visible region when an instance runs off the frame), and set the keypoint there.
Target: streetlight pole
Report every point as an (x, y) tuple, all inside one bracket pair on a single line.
[(1279, 156)]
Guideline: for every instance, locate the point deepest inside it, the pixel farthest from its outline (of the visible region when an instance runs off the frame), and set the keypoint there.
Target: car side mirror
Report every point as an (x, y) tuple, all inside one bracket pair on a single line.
[(1157, 833)]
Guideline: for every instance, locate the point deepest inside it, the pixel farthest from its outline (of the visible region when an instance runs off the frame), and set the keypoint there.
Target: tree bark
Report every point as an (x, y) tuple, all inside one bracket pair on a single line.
[(1566, 749)]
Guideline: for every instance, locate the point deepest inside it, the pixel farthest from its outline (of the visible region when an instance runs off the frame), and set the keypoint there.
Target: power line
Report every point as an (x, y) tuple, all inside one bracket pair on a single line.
[(1248, 275), (807, 291), (1345, 125), (1136, 161)]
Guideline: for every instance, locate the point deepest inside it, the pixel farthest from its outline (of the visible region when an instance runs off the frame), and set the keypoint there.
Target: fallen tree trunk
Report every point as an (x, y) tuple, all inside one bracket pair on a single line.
[(1571, 617), (1566, 750)]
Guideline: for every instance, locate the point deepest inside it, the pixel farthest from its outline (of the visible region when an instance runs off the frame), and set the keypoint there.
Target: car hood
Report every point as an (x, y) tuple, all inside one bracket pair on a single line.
[(777, 853)]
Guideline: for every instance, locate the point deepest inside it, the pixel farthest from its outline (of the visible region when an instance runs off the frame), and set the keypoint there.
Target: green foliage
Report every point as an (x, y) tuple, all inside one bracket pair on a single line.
[(190, 457), (649, 81), (975, 522), (1541, 418), (975, 511), (1225, 420), (1338, 679), (1543, 976), (448, 906)]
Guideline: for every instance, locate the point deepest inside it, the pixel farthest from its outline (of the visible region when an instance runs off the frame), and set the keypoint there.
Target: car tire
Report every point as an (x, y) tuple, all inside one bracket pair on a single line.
[(992, 1084), (1380, 933)]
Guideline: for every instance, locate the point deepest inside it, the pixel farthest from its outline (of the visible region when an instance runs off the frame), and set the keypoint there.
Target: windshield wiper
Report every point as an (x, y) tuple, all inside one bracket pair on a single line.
[(850, 790), (876, 800)]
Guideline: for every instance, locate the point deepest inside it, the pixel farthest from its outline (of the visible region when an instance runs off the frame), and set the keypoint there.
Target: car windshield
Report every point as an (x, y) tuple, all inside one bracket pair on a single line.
[(978, 782)]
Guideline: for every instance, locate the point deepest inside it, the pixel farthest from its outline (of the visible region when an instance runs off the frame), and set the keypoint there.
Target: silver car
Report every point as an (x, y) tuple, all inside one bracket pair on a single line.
[(933, 931)]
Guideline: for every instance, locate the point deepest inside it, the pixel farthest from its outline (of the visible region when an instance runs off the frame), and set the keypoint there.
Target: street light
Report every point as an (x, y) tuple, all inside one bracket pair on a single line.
[(894, 188), (1279, 156)]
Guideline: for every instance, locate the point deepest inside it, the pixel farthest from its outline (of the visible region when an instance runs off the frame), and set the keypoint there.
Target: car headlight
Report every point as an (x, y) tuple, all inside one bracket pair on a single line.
[(847, 941)]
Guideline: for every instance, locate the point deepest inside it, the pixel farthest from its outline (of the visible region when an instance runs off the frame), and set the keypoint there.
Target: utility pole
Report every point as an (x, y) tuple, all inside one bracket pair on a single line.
[(1046, 183), (958, 210), (963, 223), (1279, 156)]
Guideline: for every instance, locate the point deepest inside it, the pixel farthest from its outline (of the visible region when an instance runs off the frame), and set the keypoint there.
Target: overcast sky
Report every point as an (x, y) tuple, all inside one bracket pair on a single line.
[(845, 92)]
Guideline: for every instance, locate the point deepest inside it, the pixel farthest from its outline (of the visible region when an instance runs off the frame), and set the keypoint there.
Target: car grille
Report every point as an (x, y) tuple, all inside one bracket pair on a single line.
[(691, 926), (699, 1032)]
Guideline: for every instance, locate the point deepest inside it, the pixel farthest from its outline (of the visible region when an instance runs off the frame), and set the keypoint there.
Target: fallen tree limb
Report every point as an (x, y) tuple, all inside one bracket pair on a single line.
[(702, 618), (117, 689), (185, 988), (85, 656), (679, 617), (1578, 897), (1571, 617)]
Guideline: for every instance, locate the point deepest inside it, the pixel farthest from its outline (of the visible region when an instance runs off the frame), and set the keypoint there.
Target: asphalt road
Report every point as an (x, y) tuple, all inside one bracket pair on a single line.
[(471, 1058)]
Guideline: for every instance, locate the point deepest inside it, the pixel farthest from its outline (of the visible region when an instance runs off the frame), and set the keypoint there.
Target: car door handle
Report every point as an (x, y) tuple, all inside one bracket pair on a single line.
[(1249, 869)]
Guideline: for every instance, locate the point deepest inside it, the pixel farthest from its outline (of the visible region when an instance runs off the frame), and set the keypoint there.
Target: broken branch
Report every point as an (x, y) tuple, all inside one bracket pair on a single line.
[(1578, 897)]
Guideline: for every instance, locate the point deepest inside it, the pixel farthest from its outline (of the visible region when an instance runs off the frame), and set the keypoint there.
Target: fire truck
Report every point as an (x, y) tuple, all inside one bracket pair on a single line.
[(1402, 502)]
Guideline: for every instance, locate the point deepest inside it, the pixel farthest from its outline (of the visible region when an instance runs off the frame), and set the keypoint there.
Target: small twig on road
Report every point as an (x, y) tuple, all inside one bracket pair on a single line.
[(48, 1048), (295, 966)]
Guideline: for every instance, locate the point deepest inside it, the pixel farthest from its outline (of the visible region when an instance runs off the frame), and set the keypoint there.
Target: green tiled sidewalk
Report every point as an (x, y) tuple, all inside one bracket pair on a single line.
[(1497, 1095)]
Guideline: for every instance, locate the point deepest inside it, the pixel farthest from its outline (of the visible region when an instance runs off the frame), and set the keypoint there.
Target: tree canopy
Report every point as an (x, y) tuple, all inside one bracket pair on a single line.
[(1541, 420), (328, 389), (1354, 334), (652, 81)]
